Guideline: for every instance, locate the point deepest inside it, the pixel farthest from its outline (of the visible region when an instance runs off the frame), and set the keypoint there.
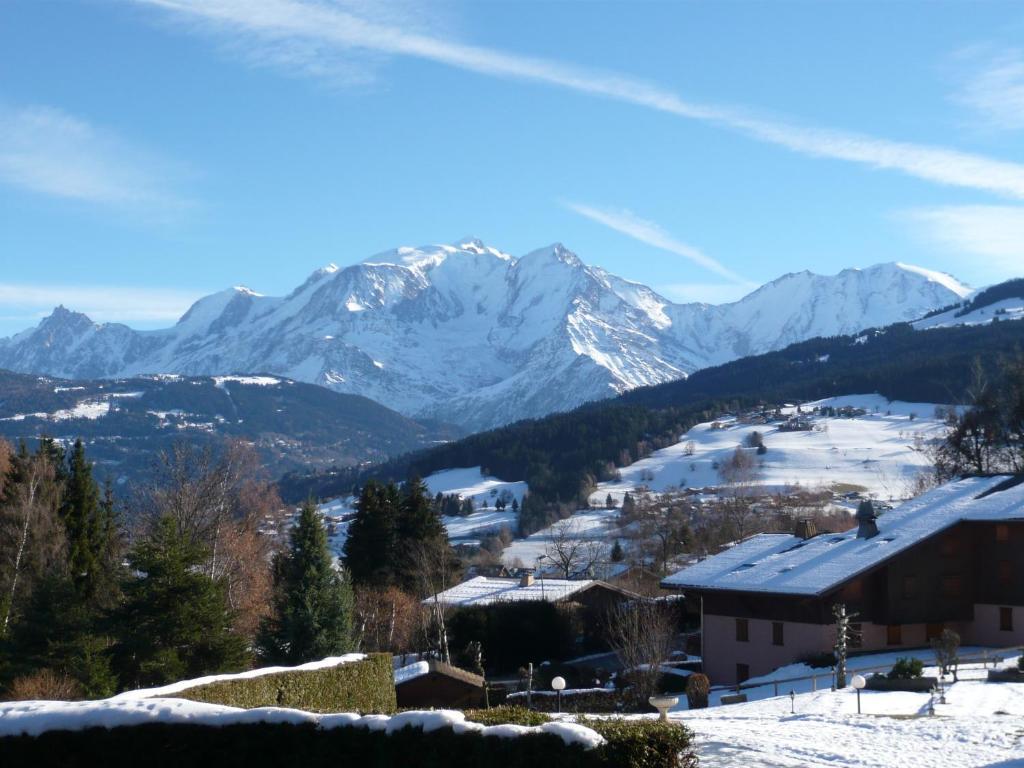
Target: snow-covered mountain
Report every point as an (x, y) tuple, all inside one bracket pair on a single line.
[(473, 336)]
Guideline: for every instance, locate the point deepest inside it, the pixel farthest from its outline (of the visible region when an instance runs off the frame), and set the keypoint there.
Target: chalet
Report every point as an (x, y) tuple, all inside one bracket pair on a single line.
[(953, 557), (483, 590), (435, 684)]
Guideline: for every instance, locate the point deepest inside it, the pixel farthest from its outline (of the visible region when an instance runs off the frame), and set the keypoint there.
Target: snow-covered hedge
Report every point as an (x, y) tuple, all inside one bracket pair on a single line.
[(355, 682), (168, 732), (174, 732)]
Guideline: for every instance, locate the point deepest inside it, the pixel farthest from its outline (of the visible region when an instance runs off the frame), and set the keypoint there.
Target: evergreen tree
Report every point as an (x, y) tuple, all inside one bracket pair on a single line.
[(416, 527), (370, 546), (313, 600), (91, 527), (617, 555), (175, 622), (609, 502)]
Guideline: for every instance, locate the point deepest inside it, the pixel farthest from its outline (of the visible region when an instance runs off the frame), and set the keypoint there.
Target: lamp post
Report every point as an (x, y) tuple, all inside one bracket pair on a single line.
[(858, 683), (792, 702), (558, 685)]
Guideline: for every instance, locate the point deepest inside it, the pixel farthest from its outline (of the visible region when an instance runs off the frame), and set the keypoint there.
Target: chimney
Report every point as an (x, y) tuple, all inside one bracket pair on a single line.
[(526, 580), (866, 526), (805, 529)]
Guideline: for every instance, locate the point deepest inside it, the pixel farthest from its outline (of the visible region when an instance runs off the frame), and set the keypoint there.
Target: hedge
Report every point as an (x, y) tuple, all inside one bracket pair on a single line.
[(641, 743), (365, 686), (579, 700), (644, 743), (264, 745)]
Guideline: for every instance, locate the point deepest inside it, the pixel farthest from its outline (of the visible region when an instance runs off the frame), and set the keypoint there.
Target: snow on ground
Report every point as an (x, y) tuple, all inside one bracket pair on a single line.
[(465, 482), (879, 452), (1007, 309), (590, 525), (470, 482), (181, 685), (980, 725), (256, 381)]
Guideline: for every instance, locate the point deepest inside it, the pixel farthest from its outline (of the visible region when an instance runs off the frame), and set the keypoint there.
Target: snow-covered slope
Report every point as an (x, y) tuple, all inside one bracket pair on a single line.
[(470, 335), (879, 451)]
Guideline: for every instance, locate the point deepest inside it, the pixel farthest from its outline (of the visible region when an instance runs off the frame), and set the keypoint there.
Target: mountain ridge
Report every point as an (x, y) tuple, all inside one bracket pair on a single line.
[(469, 334)]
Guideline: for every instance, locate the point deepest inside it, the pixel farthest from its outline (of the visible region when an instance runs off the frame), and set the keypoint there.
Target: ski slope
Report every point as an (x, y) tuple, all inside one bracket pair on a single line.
[(879, 453)]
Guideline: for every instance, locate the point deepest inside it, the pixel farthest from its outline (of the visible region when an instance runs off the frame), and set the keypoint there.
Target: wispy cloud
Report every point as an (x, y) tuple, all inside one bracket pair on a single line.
[(651, 234), (331, 26), (993, 86), (993, 232), (23, 304), (50, 152)]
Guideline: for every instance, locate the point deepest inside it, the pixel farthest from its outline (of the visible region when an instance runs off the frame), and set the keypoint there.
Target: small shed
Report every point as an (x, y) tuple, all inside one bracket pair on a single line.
[(436, 684)]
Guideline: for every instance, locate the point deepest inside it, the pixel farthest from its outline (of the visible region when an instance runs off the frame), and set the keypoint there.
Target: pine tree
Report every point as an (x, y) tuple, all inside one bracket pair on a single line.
[(175, 622), (609, 502), (617, 555), (370, 546), (313, 600), (416, 526), (91, 527)]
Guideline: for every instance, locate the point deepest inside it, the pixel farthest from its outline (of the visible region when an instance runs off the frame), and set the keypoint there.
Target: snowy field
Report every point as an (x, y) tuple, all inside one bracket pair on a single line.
[(879, 453), (982, 724), (1007, 309)]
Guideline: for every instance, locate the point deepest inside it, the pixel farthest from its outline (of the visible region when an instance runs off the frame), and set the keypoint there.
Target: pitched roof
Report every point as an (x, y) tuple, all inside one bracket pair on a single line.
[(484, 590), (420, 668), (785, 564)]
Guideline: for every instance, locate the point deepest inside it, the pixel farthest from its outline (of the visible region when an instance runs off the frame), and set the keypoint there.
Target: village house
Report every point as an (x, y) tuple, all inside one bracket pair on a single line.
[(951, 558), (429, 684), (483, 590)]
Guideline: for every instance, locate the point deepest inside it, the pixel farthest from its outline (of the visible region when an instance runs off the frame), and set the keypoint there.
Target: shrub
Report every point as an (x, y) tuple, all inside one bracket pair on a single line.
[(644, 743), (359, 686), (44, 684), (273, 745), (507, 713), (819, 660), (906, 669), (697, 688), (583, 700)]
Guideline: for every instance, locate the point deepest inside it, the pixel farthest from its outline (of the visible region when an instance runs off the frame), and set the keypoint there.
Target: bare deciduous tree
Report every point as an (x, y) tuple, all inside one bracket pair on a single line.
[(386, 620), (31, 534), (642, 633), (437, 569), (572, 552), (220, 500)]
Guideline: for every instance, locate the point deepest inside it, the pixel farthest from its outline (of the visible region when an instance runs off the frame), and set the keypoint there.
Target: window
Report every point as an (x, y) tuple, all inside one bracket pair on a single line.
[(742, 673), (1002, 532), (952, 586), (1005, 572), (909, 587), (778, 633), (894, 634), (742, 630), (1006, 619)]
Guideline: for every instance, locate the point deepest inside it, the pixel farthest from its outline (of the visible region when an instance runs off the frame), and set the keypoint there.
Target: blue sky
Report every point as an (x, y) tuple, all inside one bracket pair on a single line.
[(152, 151)]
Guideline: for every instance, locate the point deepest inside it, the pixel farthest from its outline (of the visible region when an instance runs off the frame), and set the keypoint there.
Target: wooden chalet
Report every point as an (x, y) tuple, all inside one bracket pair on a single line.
[(953, 557)]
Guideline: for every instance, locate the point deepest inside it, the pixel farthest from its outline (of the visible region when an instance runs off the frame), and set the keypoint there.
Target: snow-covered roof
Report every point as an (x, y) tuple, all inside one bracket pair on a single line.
[(786, 564), (484, 590)]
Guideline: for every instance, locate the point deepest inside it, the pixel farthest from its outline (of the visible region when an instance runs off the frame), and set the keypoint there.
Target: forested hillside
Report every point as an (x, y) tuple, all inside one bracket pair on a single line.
[(562, 455), (128, 422)]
